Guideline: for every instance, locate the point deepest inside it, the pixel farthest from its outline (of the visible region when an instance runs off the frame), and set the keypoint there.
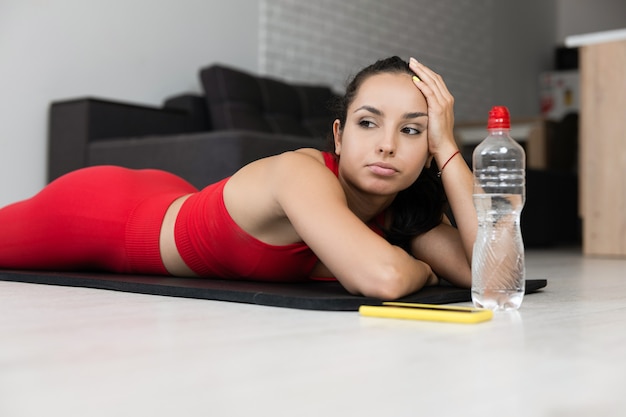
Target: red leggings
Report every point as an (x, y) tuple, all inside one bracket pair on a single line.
[(99, 218)]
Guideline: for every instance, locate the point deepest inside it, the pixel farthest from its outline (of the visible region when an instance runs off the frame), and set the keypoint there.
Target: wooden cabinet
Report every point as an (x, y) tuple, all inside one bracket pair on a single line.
[(602, 153)]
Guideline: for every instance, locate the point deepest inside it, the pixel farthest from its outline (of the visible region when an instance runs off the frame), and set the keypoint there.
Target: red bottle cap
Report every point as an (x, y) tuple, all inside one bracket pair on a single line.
[(499, 118)]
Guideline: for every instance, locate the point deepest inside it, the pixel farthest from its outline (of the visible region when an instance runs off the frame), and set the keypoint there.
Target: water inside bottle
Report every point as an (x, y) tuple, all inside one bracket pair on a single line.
[(498, 270)]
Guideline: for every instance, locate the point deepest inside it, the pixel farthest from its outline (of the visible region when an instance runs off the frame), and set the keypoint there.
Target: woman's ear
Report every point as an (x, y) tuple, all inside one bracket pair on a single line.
[(337, 131)]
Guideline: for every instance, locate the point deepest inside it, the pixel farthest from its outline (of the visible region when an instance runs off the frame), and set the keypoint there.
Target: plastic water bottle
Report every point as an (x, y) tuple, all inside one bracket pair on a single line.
[(498, 269)]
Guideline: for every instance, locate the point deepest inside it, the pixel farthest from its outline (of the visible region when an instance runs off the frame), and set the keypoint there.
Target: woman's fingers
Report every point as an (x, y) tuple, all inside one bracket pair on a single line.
[(433, 88), (440, 105), (433, 80), (421, 81)]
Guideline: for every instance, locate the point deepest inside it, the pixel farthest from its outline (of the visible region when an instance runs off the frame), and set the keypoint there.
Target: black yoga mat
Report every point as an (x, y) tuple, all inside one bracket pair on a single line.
[(309, 296)]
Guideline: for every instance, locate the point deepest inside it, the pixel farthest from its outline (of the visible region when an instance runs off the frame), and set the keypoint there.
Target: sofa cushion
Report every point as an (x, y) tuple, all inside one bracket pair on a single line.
[(281, 107), (238, 100), (195, 106), (316, 104), (234, 99)]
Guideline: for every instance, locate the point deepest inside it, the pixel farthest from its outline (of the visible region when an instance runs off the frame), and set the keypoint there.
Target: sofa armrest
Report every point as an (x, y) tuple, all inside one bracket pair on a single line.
[(73, 124)]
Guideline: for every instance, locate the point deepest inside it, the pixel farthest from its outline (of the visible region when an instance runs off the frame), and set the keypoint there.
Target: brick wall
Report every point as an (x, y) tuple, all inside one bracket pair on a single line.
[(327, 41)]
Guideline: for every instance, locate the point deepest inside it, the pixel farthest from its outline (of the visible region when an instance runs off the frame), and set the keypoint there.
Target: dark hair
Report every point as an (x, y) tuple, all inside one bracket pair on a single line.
[(418, 208)]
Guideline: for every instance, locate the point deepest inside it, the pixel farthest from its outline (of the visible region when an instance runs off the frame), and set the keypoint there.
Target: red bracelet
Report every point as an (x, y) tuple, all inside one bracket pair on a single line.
[(449, 159)]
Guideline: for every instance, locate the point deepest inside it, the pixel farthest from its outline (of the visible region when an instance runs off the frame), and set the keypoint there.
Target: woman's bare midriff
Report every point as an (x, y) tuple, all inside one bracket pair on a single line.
[(172, 260)]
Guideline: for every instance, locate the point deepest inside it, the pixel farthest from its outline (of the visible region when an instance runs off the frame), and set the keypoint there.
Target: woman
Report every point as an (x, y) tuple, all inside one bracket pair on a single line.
[(298, 215)]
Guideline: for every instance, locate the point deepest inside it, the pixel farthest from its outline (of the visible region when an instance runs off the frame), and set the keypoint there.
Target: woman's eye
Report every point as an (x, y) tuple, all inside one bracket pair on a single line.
[(411, 131), (366, 123)]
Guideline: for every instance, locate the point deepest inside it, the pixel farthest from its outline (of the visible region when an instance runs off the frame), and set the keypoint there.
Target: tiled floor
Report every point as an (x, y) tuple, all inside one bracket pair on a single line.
[(82, 352)]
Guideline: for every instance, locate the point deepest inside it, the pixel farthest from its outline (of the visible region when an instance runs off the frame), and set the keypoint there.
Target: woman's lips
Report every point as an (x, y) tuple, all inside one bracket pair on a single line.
[(382, 169)]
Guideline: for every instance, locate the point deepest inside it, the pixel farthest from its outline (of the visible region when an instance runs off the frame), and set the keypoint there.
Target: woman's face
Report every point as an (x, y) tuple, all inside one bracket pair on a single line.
[(383, 146)]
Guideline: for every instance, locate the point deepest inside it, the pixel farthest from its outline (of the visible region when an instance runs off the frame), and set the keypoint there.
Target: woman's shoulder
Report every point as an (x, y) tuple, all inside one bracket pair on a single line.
[(311, 152), (303, 159), (327, 159), (305, 164)]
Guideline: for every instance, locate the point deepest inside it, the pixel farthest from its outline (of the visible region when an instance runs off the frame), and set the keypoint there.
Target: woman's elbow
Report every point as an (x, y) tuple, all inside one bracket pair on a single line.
[(388, 285)]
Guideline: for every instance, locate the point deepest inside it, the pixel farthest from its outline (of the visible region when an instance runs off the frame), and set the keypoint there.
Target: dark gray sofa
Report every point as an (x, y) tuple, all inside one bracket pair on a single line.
[(240, 118)]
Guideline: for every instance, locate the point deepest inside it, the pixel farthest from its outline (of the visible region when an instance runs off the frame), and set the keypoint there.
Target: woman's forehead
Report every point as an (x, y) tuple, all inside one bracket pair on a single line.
[(390, 89)]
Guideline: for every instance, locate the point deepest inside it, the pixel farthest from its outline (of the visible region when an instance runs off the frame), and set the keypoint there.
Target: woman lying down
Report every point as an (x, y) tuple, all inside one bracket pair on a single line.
[(369, 214)]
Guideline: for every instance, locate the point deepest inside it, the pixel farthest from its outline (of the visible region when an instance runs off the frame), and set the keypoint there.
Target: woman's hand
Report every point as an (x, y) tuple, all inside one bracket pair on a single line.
[(432, 279), (441, 143)]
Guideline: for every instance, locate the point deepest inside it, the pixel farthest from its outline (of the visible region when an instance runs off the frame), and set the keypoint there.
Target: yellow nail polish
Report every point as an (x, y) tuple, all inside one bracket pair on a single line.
[(416, 79)]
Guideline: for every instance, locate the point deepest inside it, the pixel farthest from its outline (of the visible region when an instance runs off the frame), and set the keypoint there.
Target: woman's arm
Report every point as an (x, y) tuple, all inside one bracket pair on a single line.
[(442, 249), (458, 183), (456, 177), (365, 263)]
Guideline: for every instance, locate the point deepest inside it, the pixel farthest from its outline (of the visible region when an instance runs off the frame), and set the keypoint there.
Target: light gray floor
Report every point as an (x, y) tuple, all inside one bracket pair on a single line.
[(83, 352)]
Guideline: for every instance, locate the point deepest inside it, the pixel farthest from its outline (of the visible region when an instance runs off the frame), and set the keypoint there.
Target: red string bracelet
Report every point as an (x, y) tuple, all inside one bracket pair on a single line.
[(444, 165)]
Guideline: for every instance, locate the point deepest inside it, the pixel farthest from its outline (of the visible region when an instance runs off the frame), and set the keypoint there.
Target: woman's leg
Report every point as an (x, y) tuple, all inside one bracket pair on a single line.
[(80, 220)]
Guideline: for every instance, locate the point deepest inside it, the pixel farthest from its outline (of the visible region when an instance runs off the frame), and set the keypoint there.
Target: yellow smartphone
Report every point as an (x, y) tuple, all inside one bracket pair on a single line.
[(429, 312)]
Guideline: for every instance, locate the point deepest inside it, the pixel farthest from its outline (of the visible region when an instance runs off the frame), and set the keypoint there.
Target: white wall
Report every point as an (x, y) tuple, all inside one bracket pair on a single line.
[(328, 41), (523, 47), (575, 17), (139, 51)]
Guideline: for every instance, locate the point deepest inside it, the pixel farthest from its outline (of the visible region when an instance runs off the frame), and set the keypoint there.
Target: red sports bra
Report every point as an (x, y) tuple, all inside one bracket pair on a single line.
[(213, 245)]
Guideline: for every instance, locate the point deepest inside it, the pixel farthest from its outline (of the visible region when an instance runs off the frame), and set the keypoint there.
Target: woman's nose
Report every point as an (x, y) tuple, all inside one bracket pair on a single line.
[(387, 144)]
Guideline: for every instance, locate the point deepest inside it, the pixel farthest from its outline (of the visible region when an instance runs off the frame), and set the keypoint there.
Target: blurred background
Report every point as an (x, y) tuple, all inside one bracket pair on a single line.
[(141, 51)]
